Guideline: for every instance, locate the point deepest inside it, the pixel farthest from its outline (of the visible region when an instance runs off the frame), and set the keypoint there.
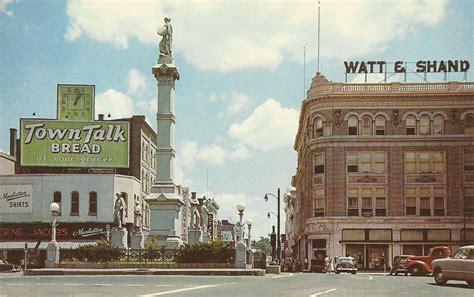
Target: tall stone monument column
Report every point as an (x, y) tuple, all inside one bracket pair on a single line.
[(165, 199)]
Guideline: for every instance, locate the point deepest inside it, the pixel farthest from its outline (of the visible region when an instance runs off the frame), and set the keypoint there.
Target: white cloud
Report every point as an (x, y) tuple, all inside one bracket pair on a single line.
[(226, 36), (137, 83), (270, 126), (114, 102), (236, 102), (189, 153), (3, 7)]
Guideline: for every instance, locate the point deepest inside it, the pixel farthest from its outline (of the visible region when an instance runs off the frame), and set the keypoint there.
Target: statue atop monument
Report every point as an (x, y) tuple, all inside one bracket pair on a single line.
[(120, 208), (166, 31)]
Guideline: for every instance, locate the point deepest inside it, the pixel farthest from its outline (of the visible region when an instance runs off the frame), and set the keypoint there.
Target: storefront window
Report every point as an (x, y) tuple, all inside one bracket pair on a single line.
[(377, 256)]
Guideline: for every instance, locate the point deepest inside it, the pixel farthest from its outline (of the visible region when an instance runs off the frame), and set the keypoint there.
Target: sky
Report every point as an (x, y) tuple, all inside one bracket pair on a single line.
[(244, 66)]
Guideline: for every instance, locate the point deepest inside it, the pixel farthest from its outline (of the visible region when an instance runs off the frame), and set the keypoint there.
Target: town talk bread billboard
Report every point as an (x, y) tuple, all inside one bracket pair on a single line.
[(53, 143)]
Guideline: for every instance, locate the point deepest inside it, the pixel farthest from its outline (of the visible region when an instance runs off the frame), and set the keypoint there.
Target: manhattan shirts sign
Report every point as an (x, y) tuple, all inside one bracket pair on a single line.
[(16, 199), (56, 143), (421, 66)]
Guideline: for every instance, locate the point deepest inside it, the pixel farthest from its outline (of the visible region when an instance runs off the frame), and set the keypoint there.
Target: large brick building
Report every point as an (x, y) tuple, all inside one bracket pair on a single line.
[(383, 169)]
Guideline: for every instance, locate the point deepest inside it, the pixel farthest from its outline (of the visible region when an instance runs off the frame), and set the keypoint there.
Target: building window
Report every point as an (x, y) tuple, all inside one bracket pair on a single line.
[(319, 202), (318, 163), (317, 127), (93, 203), (469, 202), (74, 203), (57, 199), (366, 201), (438, 125), (425, 162), (469, 124), (425, 125), (353, 124), (425, 201), (366, 126), (366, 162), (352, 162), (468, 160), (410, 124), (380, 125)]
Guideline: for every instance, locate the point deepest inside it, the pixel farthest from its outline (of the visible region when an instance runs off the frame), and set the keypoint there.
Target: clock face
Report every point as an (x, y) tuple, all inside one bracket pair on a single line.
[(76, 102)]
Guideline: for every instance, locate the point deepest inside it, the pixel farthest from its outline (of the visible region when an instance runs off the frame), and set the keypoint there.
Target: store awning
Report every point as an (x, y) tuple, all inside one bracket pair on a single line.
[(20, 245)]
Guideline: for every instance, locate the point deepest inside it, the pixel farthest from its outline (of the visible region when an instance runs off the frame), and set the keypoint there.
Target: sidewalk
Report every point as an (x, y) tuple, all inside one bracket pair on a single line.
[(144, 271)]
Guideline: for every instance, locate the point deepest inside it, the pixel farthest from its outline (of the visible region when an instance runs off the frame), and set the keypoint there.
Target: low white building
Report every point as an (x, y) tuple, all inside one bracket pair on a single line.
[(86, 208)]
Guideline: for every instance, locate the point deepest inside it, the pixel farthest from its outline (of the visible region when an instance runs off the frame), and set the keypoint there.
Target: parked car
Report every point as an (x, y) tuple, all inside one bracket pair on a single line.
[(259, 259), (421, 265), (459, 267), (5, 266), (345, 264), (399, 264)]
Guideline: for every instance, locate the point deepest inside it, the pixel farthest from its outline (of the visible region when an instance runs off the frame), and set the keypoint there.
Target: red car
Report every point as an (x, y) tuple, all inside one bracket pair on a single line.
[(421, 265)]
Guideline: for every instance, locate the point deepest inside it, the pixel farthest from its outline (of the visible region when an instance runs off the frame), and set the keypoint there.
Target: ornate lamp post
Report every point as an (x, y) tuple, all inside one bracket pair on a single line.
[(52, 255), (249, 226), (240, 247), (278, 222)]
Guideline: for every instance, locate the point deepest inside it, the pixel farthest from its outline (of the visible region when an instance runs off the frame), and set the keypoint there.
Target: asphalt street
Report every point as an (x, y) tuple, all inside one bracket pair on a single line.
[(286, 284)]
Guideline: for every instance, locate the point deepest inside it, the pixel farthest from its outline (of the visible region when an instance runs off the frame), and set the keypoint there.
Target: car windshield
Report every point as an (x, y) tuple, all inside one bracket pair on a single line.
[(345, 260), (461, 254)]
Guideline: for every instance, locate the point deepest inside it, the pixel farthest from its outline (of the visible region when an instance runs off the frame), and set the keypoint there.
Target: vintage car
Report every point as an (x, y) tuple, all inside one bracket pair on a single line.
[(459, 267), (399, 265), (421, 265), (345, 264), (5, 266)]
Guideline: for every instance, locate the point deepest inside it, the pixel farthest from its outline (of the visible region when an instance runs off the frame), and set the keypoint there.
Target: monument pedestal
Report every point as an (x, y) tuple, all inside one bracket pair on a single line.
[(241, 255), (205, 237), (137, 241), (194, 235), (118, 238), (52, 254)]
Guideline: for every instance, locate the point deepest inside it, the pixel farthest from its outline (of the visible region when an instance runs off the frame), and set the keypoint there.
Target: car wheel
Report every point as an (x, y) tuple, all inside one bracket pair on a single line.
[(415, 270), (337, 272), (406, 273), (353, 272), (470, 283), (438, 276), (396, 272)]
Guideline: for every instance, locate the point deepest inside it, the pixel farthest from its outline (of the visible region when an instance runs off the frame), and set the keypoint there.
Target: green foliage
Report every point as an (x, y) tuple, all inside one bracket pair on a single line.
[(265, 245), (151, 243), (213, 252)]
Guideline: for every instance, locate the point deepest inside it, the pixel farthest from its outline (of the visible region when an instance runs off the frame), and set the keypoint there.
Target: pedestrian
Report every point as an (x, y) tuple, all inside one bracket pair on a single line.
[(326, 263)]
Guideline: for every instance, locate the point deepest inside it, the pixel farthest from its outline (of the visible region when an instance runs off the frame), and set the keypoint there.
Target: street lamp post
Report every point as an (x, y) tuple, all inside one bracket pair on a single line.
[(240, 247), (52, 255), (278, 223), (249, 226)]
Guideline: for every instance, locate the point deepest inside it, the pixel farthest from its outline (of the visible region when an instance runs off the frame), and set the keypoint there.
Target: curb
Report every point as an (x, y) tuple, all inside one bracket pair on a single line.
[(215, 272)]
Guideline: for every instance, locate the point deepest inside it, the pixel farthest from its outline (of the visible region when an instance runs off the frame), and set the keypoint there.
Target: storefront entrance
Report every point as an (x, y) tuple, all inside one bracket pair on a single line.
[(369, 256)]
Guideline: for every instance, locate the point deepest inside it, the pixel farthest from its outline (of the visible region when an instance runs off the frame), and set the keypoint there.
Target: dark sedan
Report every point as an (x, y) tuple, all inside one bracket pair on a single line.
[(5, 266)]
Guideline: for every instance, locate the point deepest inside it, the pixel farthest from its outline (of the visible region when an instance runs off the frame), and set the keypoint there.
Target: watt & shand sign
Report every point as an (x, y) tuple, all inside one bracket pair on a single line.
[(54, 143), (421, 66)]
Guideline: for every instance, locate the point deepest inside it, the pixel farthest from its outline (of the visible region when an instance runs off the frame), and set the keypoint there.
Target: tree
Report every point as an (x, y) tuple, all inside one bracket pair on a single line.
[(264, 244)]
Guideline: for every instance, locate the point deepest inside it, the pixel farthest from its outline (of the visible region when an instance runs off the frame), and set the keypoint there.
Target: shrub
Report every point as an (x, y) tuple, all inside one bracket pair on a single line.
[(213, 252)]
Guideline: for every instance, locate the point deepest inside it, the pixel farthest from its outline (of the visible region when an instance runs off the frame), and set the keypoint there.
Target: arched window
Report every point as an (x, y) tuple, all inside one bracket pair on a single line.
[(93, 203), (353, 124), (380, 125), (57, 199), (425, 125), (410, 124), (366, 126), (469, 124), (438, 125), (317, 127), (75, 203)]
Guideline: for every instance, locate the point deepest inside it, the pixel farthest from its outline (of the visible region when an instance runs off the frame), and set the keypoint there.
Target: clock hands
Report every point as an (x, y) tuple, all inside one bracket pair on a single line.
[(78, 96)]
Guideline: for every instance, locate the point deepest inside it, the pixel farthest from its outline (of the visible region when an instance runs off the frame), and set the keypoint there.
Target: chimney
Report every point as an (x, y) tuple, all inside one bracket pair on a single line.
[(13, 142), (101, 116)]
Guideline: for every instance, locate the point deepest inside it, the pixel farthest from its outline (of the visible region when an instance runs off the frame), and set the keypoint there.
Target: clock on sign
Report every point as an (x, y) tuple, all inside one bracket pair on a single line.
[(76, 102)]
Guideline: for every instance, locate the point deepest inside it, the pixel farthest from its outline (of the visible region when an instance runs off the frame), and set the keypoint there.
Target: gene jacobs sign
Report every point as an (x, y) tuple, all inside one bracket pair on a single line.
[(90, 231), (56, 143), (16, 199)]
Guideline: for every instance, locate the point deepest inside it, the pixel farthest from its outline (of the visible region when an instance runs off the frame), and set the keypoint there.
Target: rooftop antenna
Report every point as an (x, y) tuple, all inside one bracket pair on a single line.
[(319, 28), (304, 72)]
